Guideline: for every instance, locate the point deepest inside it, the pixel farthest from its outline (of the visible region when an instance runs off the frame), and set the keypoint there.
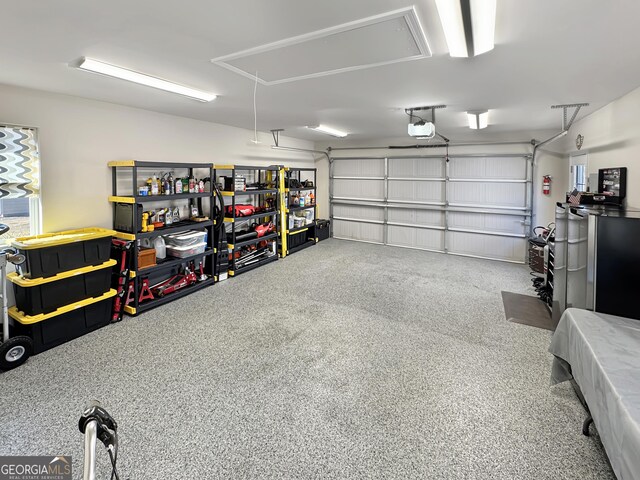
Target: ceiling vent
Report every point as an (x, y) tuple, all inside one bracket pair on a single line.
[(383, 39)]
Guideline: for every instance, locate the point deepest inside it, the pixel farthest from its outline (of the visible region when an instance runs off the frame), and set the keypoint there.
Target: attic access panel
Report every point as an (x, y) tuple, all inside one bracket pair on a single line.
[(384, 39)]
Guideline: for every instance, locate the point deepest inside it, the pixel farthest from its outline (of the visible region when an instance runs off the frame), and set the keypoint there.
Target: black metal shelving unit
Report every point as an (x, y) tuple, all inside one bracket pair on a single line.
[(127, 177), (264, 198), (303, 236)]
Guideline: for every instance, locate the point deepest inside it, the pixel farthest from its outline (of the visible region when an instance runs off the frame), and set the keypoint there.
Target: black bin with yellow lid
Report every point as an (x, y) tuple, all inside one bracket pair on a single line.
[(44, 295), (53, 253)]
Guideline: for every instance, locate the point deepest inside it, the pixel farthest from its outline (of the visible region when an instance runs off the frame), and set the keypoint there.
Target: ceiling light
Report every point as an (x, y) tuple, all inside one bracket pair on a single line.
[(469, 25), (96, 66), (329, 131), (478, 120)]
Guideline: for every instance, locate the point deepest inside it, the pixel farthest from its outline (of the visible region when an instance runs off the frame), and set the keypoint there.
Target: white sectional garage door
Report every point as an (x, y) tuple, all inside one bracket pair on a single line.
[(474, 205)]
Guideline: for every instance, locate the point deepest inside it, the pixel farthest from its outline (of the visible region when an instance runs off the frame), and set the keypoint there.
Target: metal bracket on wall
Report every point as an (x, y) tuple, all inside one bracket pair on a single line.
[(565, 109), (276, 135), (276, 140)]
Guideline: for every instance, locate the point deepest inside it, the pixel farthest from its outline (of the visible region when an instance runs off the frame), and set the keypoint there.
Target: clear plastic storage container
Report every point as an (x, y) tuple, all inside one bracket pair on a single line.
[(184, 239), (186, 250)]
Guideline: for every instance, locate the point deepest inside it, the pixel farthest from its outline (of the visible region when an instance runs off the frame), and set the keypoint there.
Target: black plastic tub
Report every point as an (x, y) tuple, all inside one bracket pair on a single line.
[(301, 237), (44, 295), (322, 229), (65, 324), (53, 253)]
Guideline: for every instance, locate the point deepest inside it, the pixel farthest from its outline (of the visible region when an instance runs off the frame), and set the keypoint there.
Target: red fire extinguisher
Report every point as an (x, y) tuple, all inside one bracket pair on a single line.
[(546, 184)]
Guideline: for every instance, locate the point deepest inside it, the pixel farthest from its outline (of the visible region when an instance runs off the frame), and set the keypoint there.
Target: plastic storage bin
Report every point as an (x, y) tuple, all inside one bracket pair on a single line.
[(44, 295), (296, 239), (188, 238), (54, 253), (186, 251), (64, 324), (323, 229)]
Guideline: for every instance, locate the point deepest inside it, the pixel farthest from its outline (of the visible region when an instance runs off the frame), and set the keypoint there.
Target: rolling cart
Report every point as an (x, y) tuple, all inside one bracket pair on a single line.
[(14, 351)]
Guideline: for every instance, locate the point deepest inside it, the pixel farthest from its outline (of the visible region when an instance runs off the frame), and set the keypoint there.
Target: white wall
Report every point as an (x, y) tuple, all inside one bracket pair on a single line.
[(78, 137), (557, 166), (612, 139)]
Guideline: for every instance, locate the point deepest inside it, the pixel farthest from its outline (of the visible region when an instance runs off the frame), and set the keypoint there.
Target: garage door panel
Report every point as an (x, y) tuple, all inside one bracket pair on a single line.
[(489, 246), (416, 191), (367, 232), (416, 237), (511, 224), (365, 189), (358, 211), (417, 217), (494, 194), (416, 167), (493, 187), (504, 168), (368, 167)]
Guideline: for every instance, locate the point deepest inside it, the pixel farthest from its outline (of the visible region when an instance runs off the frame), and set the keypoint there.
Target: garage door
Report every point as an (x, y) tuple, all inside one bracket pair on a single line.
[(473, 205)]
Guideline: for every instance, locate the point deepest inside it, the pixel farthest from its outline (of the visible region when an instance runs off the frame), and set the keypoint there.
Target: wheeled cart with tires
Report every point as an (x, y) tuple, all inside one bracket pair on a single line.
[(62, 291), (14, 350)]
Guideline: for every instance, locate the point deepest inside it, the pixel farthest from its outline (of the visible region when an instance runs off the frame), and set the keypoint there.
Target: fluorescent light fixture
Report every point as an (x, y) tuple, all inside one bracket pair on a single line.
[(91, 65), (329, 131), (469, 26), (478, 120), (450, 12), (483, 25)]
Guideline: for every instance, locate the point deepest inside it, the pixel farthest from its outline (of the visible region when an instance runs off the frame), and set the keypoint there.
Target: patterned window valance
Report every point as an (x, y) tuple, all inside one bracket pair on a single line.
[(19, 163)]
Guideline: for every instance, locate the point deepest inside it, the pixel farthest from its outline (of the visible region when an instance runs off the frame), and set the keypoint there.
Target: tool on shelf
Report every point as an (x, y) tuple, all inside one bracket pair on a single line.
[(123, 250), (241, 210), (145, 292), (145, 223), (252, 256), (201, 275), (175, 283)]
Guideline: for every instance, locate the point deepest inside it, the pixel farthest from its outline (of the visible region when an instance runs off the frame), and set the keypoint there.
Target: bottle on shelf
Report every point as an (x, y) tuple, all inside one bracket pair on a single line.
[(153, 185), (178, 186), (192, 184), (171, 185), (160, 246), (166, 186), (312, 199)]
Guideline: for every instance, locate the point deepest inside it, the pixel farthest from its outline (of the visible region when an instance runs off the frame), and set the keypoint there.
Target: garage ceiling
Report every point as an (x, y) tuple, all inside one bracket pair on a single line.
[(547, 52)]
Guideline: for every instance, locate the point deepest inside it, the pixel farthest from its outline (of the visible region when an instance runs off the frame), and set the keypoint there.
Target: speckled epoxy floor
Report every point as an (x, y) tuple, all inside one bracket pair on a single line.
[(346, 360)]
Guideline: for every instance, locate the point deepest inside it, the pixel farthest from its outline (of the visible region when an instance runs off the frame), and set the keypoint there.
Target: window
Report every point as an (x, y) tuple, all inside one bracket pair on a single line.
[(19, 182), (578, 173)]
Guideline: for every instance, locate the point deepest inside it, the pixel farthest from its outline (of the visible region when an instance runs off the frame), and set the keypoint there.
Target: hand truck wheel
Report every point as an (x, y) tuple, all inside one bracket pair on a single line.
[(15, 351)]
